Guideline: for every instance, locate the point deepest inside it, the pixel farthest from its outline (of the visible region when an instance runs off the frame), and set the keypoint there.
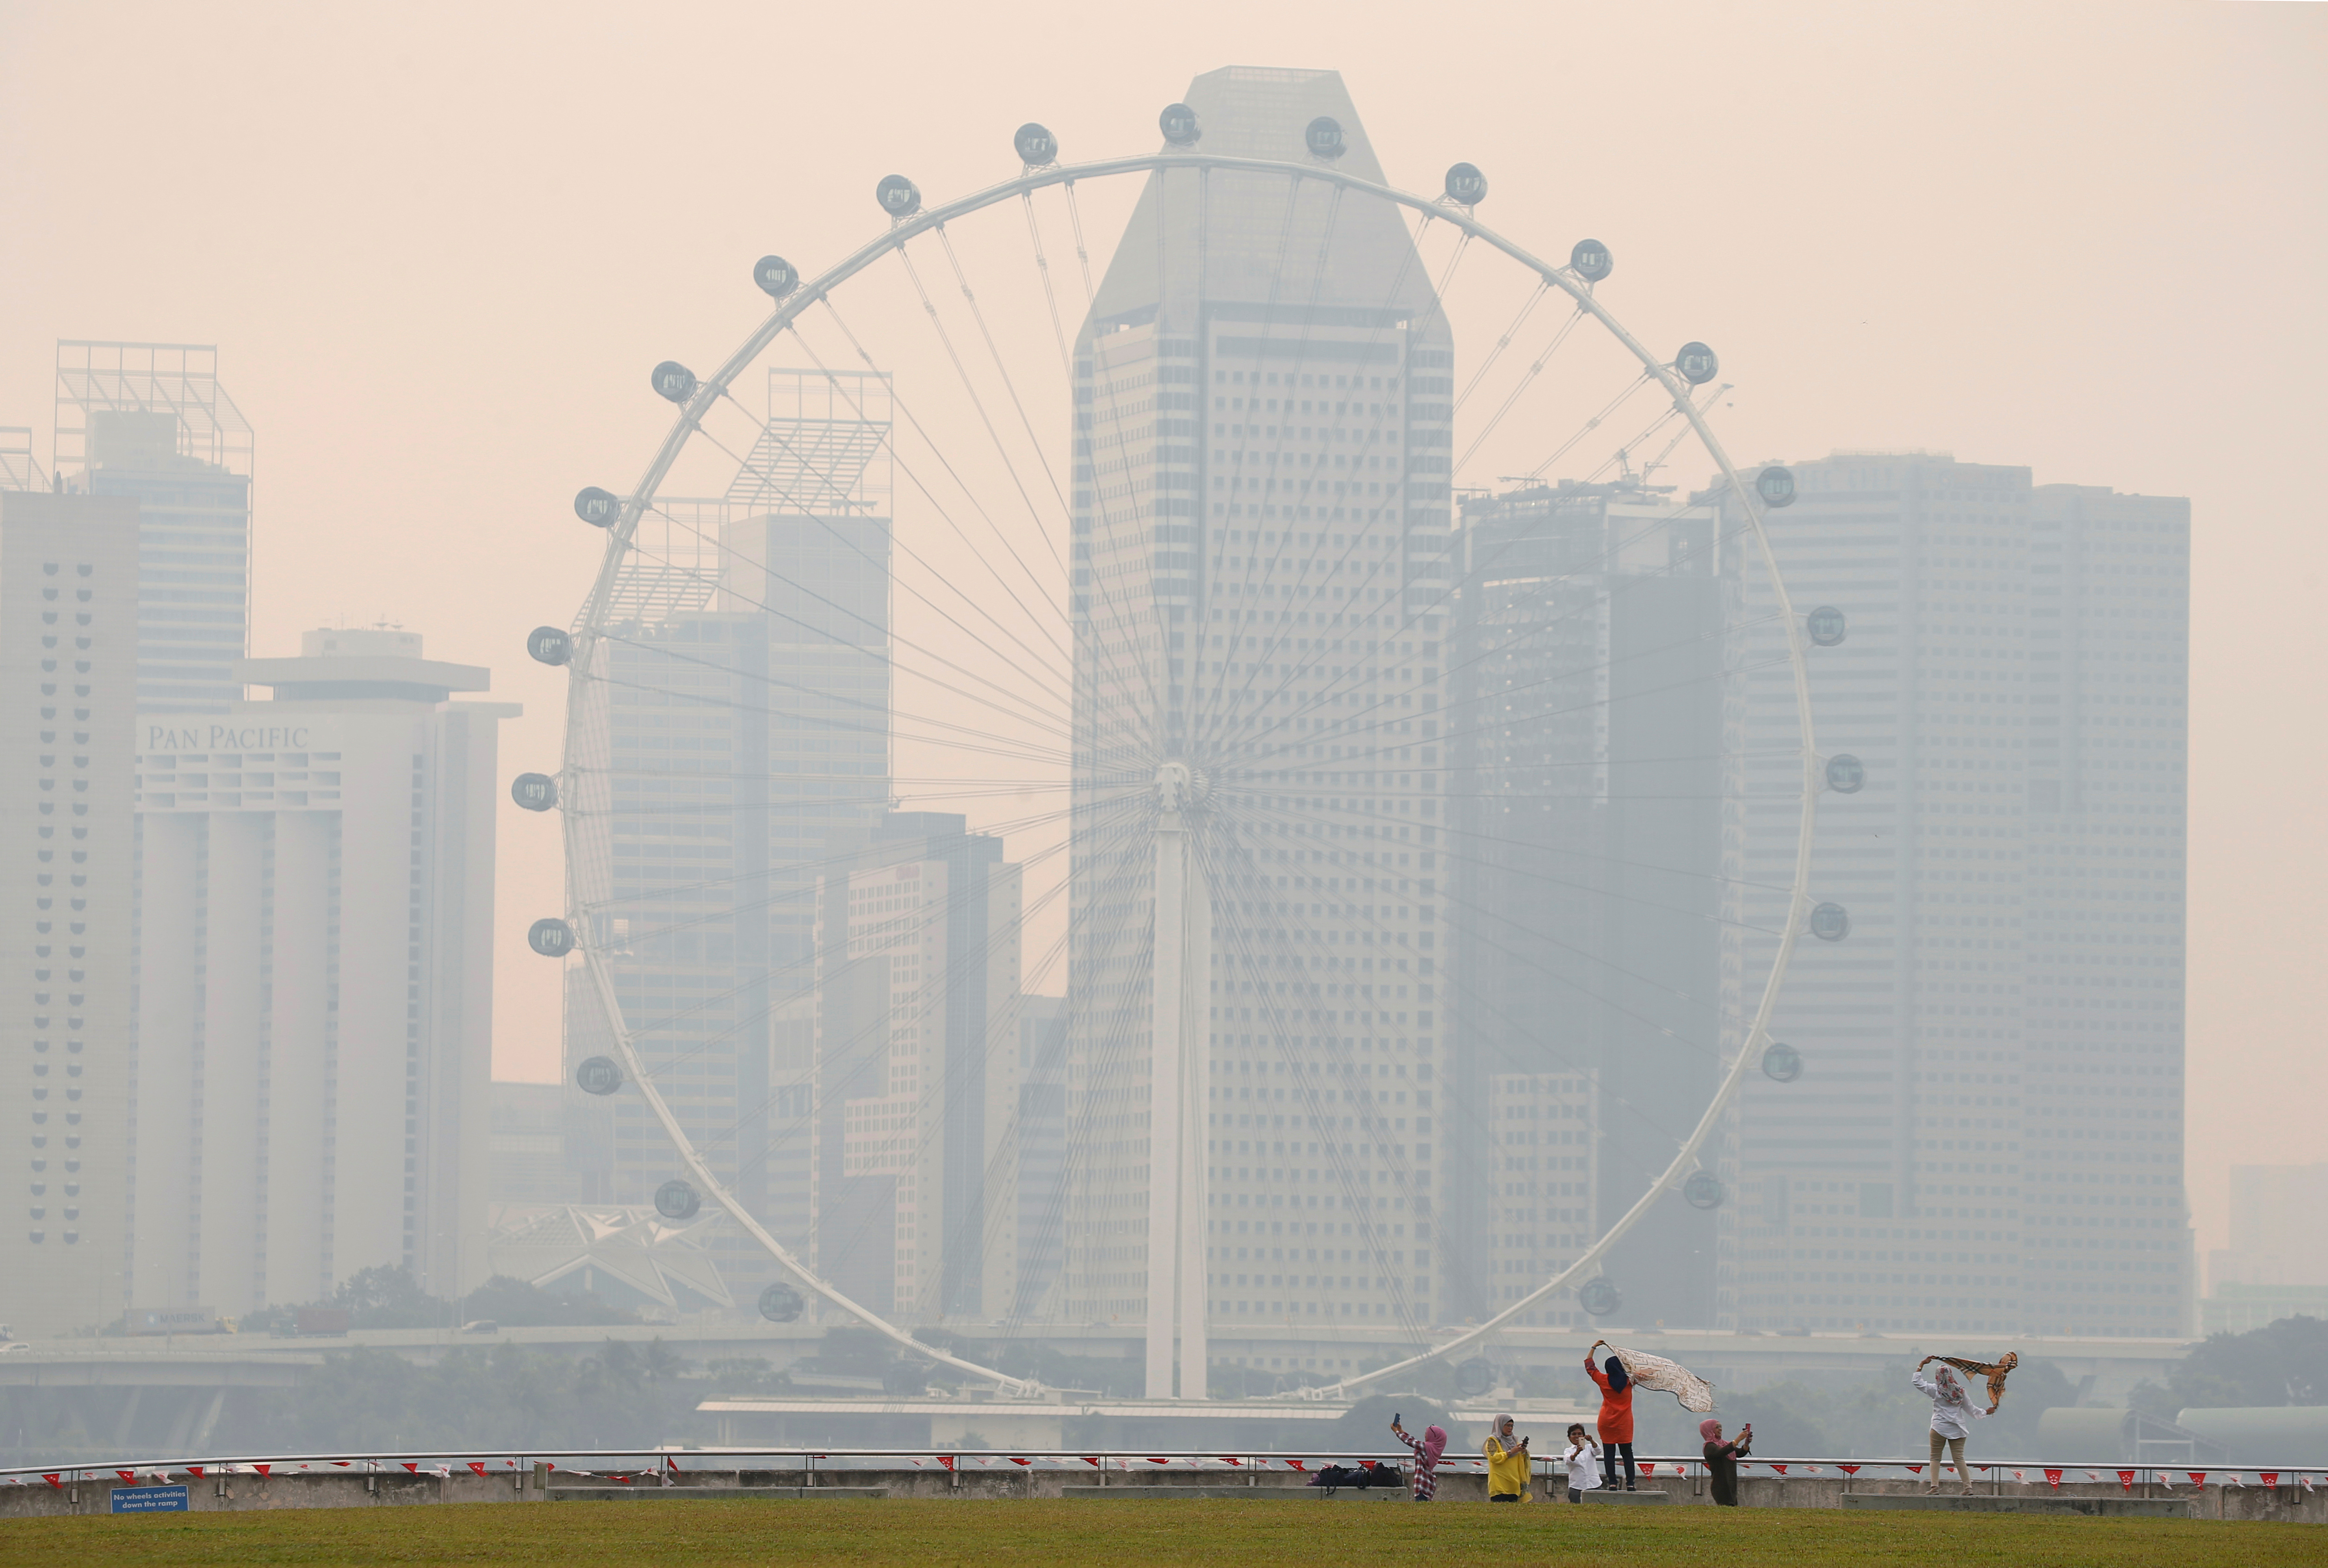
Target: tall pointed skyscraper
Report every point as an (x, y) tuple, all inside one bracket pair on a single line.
[(1261, 448)]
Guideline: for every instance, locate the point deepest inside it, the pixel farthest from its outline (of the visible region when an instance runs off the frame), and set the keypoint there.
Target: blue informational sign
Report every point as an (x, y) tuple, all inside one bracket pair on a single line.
[(149, 1500)]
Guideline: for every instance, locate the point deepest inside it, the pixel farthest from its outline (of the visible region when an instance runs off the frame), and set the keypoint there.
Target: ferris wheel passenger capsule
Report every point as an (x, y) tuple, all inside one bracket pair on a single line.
[(1845, 774), (899, 197), (1599, 1298), (1178, 123), (1776, 486), (551, 938), (1825, 625), (1696, 363), (597, 1076), (598, 508), (1830, 923), (1465, 186), (536, 792), (673, 382), (1781, 1063), (1703, 1189), (776, 276), (1325, 137), (1591, 260), (1037, 148), (675, 1200), (549, 645), (780, 1303)]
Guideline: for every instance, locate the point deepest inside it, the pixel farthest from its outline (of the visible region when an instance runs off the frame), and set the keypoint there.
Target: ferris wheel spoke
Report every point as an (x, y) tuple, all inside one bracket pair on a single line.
[(1535, 368), (717, 584)]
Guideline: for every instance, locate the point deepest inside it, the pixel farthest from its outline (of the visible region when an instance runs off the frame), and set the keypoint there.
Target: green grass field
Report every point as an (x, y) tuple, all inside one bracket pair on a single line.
[(1091, 1534)]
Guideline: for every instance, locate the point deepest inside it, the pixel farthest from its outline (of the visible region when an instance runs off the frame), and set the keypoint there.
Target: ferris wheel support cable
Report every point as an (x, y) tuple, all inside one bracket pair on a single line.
[(739, 1025), (1327, 695), (978, 315), (1028, 715), (818, 723), (1050, 294), (1041, 624), (977, 402), (1475, 571), (1619, 400), (1535, 369), (718, 584), (581, 720), (895, 543), (1503, 342)]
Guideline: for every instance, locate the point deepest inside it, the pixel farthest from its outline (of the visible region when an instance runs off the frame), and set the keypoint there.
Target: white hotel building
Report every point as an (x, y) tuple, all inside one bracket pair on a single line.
[(315, 980)]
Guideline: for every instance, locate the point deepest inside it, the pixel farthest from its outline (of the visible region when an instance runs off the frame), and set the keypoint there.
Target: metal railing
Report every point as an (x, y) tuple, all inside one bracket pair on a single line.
[(674, 1461)]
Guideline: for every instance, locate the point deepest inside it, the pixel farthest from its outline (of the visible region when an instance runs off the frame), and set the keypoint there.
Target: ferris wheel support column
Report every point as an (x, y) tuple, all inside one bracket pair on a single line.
[(1176, 1279)]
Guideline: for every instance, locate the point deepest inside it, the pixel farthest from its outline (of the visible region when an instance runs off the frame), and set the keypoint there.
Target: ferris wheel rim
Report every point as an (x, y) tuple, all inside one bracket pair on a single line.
[(589, 627)]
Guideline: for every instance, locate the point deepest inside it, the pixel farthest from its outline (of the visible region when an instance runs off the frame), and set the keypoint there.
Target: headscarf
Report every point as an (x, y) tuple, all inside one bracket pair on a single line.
[(1952, 1390), (1434, 1442), (1497, 1431), (1710, 1430), (1617, 1377)]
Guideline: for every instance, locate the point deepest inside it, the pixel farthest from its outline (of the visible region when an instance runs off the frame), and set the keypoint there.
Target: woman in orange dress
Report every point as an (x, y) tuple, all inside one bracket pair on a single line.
[(1616, 1423)]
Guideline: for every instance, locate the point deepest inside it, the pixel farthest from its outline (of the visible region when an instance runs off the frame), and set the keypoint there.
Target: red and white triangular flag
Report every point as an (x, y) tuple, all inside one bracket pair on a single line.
[(478, 1466), (2052, 1478), (2198, 1477), (55, 1478), (2270, 1478), (2126, 1480), (1848, 1470)]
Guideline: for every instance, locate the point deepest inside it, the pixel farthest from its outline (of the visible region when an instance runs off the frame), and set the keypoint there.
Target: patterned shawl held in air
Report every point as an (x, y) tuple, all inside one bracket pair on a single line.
[(1694, 1392), (1994, 1371)]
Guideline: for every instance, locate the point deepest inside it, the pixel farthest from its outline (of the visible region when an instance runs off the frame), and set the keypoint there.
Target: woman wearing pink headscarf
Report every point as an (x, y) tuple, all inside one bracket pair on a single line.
[(1427, 1449), (1722, 1459)]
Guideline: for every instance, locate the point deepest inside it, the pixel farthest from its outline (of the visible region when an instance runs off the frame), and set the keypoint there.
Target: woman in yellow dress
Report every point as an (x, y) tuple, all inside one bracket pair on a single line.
[(1507, 1464)]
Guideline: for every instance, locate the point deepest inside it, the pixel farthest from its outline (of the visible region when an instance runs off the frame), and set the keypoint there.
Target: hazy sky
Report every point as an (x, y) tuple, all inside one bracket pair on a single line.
[(439, 245)]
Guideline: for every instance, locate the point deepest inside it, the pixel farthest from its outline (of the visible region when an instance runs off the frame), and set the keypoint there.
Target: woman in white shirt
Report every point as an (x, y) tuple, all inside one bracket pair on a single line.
[(1953, 1414), (1582, 1463)]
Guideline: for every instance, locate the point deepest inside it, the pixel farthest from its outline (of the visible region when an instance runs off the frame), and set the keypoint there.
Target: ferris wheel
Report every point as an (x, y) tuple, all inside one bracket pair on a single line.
[(982, 627)]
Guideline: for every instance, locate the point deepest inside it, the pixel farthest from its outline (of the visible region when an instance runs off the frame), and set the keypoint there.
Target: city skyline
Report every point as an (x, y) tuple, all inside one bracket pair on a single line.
[(521, 999)]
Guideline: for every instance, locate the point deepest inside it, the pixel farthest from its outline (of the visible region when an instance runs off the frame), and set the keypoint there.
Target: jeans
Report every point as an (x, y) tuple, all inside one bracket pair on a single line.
[(1956, 1452), (1610, 1453)]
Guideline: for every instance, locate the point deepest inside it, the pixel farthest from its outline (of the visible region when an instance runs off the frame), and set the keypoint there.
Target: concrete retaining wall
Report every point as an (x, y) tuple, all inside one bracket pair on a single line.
[(241, 1493)]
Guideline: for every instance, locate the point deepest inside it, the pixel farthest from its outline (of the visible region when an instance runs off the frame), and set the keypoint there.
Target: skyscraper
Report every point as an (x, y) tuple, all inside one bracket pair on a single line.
[(314, 1030), (918, 1071), (1261, 516), (744, 730), (1585, 865), (68, 679), (1986, 1133), (151, 421)]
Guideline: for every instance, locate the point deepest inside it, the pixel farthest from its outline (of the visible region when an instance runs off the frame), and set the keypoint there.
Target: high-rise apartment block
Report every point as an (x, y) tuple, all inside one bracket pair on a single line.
[(68, 693), (1585, 865), (918, 1071), (315, 985), (151, 421), (1986, 1136), (1260, 529)]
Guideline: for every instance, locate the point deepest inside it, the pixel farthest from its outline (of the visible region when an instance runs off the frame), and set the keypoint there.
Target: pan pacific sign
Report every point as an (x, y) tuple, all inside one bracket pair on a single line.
[(181, 735)]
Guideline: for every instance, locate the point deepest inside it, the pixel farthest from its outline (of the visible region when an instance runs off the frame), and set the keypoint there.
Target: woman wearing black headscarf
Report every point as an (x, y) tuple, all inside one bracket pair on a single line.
[(1616, 1423)]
